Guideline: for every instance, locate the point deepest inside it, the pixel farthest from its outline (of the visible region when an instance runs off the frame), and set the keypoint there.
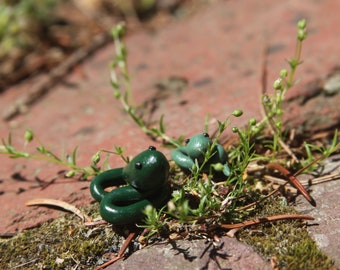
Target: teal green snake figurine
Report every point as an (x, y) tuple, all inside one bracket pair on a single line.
[(196, 149), (146, 183)]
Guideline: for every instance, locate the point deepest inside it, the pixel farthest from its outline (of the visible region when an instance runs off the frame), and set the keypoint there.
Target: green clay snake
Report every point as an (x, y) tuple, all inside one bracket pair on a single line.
[(195, 150), (146, 183)]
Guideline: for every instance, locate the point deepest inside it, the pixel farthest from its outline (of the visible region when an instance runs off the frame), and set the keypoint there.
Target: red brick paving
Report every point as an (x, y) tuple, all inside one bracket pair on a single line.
[(218, 50)]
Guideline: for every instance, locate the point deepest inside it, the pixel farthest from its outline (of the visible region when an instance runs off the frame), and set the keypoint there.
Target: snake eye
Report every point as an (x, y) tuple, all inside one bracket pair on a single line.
[(187, 141), (138, 165), (206, 135), (152, 148)]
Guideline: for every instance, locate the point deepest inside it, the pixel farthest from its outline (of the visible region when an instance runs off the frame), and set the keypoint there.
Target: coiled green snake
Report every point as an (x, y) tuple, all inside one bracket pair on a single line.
[(146, 183)]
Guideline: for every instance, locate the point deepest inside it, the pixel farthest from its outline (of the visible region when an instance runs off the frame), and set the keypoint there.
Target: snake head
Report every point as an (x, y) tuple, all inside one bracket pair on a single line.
[(197, 146), (147, 172)]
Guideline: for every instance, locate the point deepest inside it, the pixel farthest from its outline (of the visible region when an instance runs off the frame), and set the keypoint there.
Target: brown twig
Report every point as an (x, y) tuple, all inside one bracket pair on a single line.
[(308, 166), (260, 200), (314, 181), (25, 264), (283, 182), (64, 205), (120, 253), (325, 178), (95, 223), (265, 220), (293, 181)]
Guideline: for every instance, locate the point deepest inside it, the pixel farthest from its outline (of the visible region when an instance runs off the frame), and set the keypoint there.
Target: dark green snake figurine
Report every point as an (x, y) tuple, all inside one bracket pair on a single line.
[(196, 149), (146, 176)]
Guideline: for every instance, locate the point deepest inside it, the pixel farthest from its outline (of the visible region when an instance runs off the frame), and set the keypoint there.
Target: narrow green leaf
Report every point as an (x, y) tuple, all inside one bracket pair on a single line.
[(74, 155), (49, 153), (9, 139), (161, 124), (308, 150)]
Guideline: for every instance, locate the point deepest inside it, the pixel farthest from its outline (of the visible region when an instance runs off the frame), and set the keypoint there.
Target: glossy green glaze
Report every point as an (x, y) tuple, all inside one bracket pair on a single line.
[(196, 149), (146, 177)]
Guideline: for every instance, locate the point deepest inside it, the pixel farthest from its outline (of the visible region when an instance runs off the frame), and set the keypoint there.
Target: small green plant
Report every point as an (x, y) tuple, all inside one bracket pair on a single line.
[(273, 104), (120, 82), (199, 196), (154, 221), (69, 160), (311, 150), (324, 150)]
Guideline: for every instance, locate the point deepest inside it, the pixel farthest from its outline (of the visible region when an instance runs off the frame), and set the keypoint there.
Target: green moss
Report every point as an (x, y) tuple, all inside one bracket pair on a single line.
[(288, 241), (65, 243)]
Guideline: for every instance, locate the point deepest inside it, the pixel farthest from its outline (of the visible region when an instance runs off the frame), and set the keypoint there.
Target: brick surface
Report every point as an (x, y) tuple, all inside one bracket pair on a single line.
[(218, 51), (325, 229), (196, 254)]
